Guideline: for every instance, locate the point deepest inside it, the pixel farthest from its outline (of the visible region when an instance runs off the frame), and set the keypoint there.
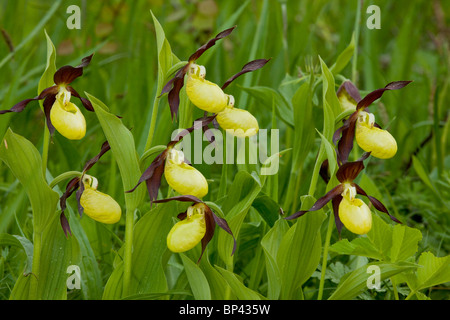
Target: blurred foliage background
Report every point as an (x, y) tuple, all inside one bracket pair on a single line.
[(412, 44)]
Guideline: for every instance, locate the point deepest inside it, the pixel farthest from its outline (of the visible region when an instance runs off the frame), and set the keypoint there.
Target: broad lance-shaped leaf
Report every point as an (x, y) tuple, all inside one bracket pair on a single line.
[(356, 282), (123, 148), (25, 162), (299, 251)]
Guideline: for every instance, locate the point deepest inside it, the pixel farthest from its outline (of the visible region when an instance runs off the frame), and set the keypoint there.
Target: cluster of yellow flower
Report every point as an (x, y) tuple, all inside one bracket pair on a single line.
[(350, 211)]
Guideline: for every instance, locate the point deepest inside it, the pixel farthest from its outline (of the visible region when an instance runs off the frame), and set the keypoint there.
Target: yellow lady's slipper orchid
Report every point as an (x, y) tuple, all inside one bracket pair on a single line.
[(353, 212), (348, 211), (182, 177), (204, 94), (187, 233), (98, 205), (379, 142), (60, 113), (241, 122), (67, 118)]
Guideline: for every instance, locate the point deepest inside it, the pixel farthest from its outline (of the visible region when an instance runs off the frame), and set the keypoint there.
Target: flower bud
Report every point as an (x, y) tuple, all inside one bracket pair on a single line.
[(187, 233), (355, 215), (68, 120), (204, 94), (184, 178), (99, 206), (242, 122), (379, 142)]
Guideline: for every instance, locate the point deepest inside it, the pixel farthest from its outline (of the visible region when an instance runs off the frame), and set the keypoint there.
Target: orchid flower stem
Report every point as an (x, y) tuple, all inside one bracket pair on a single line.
[(64, 176), (394, 286), (325, 255), (129, 226), (45, 148), (38, 235), (151, 131)]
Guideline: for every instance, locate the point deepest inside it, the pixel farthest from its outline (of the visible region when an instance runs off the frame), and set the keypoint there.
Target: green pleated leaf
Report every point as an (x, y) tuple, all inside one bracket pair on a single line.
[(238, 288), (300, 250), (149, 245), (91, 281), (356, 282), (123, 148), (25, 162), (46, 80), (197, 280), (220, 289), (243, 191), (270, 244), (58, 253)]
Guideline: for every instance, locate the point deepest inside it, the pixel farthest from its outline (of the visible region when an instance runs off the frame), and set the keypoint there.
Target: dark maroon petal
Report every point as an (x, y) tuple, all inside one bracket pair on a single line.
[(182, 215), (320, 203), (296, 215), (349, 88), (20, 106), (210, 43), (179, 75), (249, 67), (174, 97), (210, 228), (48, 104), (337, 221), (182, 198), (152, 176), (204, 122), (65, 224), (72, 185), (345, 144), (222, 223), (78, 196), (376, 203), (86, 103), (104, 148), (154, 182), (376, 94), (323, 172), (66, 74), (349, 171)]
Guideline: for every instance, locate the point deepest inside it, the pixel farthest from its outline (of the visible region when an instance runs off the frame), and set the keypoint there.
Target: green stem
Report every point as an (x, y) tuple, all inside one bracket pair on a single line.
[(394, 286), (64, 176), (150, 152), (45, 147), (410, 295), (151, 131), (129, 226), (34, 281), (325, 256)]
